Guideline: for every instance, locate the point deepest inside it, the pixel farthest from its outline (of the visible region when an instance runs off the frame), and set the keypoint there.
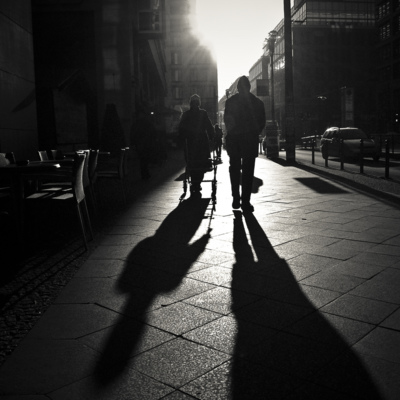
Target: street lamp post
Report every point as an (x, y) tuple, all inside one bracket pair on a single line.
[(271, 129), (289, 101), (271, 49)]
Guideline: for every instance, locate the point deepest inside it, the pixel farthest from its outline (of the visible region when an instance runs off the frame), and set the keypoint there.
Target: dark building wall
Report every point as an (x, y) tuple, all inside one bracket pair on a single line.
[(388, 65), (85, 62), (18, 130), (65, 77), (325, 61)]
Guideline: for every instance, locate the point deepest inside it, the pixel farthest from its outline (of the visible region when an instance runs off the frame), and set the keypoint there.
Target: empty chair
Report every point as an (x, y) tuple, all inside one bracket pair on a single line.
[(43, 156), (87, 186), (10, 157), (115, 172), (6, 159), (74, 195), (5, 183)]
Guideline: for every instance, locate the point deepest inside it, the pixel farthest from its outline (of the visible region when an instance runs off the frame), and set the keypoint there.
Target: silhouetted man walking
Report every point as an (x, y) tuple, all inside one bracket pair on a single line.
[(244, 119)]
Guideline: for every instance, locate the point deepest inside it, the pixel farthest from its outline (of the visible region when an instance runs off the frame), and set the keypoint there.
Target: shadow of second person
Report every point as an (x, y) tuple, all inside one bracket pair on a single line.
[(154, 267), (285, 347)]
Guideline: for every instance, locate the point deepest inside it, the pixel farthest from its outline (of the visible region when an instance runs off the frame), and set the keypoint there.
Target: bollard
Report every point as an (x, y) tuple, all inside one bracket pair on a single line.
[(312, 152), (327, 153), (387, 149), (341, 155), (361, 156)]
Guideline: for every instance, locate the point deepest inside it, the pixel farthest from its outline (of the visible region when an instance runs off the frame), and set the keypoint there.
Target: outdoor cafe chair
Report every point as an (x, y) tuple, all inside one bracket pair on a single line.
[(5, 184), (6, 159), (72, 195), (43, 156)]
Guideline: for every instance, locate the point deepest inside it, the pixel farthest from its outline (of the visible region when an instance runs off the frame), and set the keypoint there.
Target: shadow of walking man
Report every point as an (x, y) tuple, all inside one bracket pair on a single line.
[(285, 347), (155, 267)]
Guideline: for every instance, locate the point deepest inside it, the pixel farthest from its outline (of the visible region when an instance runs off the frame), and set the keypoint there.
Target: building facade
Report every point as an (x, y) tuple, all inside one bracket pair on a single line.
[(191, 68), (73, 73), (333, 67), (18, 126), (388, 65)]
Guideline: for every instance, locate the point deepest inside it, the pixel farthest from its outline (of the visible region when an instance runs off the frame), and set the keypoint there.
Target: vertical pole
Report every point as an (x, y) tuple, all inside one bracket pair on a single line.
[(387, 159), (341, 155), (289, 101), (272, 89), (313, 151), (361, 156), (327, 154)]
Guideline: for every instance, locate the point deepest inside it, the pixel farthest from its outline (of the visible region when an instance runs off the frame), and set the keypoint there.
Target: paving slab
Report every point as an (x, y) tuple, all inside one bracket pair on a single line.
[(178, 301)]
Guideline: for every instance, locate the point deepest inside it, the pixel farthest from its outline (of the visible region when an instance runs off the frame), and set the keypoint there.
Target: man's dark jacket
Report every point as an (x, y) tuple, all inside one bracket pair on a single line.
[(244, 119)]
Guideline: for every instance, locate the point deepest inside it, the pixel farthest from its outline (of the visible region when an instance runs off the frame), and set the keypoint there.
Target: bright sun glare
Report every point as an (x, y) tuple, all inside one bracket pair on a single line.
[(235, 30)]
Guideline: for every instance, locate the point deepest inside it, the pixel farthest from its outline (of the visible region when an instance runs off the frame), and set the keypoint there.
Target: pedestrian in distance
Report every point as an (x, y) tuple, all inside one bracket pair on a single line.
[(196, 130), (244, 119), (218, 141)]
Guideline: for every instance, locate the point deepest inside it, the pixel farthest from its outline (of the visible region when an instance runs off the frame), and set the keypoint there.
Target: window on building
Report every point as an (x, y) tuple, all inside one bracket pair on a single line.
[(175, 58), (383, 10), (176, 75), (177, 92), (198, 74), (149, 16), (384, 31)]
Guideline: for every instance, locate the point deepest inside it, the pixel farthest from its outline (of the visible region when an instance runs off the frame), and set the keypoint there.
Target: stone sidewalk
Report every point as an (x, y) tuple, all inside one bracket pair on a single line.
[(299, 300)]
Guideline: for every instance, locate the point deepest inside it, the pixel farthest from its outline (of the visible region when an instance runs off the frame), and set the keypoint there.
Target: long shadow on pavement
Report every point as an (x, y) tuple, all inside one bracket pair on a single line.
[(285, 347), (152, 269)]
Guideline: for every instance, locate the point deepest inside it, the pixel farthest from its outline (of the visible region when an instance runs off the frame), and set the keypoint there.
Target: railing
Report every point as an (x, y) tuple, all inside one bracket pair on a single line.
[(394, 141), (389, 152)]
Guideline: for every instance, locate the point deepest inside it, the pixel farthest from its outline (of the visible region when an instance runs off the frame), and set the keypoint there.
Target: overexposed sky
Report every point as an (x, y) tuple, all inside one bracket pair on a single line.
[(236, 29)]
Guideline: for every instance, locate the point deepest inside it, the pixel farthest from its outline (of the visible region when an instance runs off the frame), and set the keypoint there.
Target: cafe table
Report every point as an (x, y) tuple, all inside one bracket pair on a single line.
[(18, 174)]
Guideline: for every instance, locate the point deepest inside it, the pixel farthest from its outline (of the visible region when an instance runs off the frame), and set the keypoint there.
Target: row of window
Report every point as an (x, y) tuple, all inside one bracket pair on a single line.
[(149, 16), (178, 92), (386, 30), (384, 9), (194, 75), (197, 57), (320, 12)]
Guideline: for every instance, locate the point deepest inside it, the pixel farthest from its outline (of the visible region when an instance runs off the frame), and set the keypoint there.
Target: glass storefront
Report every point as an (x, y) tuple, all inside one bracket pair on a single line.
[(335, 14)]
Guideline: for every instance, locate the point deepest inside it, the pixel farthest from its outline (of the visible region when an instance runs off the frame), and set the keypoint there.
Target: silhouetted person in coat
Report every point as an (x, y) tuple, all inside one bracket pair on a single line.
[(244, 119), (196, 130), (218, 140)]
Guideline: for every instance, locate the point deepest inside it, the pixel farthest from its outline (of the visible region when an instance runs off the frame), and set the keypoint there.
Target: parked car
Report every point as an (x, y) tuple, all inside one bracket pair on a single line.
[(330, 143)]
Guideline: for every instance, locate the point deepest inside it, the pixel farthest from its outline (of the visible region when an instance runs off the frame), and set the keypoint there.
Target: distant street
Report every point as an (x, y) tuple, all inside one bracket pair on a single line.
[(372, 168)]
